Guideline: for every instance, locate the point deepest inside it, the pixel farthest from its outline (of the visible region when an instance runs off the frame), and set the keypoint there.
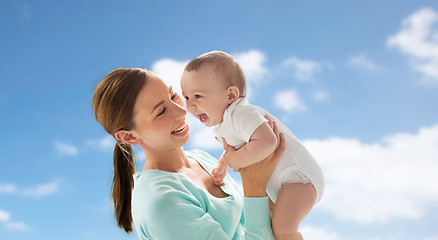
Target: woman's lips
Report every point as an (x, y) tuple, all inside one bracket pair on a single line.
[(182, 130)]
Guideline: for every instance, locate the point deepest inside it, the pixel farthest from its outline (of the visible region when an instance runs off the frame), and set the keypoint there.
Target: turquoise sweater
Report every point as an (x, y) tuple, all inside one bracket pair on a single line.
[(168, 205)]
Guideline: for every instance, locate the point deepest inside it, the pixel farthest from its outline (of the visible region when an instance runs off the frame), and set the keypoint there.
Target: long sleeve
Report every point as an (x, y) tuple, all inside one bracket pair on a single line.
[(257, 219)]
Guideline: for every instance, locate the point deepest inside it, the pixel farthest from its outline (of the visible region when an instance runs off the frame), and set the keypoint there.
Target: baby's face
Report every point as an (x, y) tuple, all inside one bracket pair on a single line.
[(206, 96)]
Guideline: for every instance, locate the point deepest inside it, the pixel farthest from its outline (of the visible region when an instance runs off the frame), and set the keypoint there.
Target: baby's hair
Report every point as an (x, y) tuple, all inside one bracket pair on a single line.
[(225, 67)]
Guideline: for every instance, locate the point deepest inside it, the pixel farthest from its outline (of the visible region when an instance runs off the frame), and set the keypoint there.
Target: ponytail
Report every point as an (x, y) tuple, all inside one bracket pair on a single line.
[(123, 184), (113, 105)]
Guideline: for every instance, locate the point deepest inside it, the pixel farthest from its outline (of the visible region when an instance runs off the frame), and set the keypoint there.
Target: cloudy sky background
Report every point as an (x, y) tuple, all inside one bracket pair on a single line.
[(356, 82)]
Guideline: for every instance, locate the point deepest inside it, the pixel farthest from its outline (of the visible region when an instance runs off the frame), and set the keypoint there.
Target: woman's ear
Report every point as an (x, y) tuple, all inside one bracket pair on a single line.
[(125, 136), (233, 94)]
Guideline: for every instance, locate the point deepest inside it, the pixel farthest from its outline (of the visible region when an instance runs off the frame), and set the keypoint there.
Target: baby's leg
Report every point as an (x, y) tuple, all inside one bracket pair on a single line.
[(294, 202)]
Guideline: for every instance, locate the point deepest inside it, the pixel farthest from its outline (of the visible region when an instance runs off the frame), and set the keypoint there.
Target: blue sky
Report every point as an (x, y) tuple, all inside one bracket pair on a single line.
[(357, 82)]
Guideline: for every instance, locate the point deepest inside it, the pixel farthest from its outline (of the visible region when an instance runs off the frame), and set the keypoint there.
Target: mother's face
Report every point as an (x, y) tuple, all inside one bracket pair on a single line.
[(159, 117)]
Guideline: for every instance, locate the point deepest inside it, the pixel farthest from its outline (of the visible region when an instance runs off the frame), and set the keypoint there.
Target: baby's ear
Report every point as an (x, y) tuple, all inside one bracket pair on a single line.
[(233, 94)]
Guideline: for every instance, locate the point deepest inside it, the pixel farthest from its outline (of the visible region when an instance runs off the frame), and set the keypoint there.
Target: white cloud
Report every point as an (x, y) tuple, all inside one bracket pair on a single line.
[(19, 226), (36, 191), (66, 149), (375, 182), (170, 71), (42, 189), (288, 100), (318, 233), (8, 188), (105, 143), (321, 96), (362, 61), (4, 216), (418, 39), (303, 69), (253, 65)]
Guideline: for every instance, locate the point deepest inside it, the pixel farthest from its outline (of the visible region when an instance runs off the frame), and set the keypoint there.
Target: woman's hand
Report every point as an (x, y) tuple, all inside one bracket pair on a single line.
[(255, 177)]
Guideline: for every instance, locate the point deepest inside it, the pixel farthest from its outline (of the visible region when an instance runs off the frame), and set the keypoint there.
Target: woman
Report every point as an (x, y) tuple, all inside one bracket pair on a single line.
[(174, 197)]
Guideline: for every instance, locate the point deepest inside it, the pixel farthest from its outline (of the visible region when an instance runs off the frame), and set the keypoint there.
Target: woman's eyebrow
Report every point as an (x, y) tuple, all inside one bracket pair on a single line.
[(156, 106)]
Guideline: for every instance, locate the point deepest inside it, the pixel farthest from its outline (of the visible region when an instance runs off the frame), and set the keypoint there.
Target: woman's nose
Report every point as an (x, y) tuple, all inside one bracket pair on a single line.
[(179, 110)]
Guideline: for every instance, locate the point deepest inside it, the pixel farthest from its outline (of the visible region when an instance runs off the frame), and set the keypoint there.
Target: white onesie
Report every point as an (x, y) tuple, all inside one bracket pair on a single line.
[(241, 119)]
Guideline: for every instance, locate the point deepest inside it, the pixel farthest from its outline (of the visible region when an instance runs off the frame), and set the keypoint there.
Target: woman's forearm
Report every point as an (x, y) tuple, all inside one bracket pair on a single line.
[(254, 187)]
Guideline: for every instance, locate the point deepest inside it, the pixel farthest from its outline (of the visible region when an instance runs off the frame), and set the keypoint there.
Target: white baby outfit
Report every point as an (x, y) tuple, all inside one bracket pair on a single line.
[(241, 119)]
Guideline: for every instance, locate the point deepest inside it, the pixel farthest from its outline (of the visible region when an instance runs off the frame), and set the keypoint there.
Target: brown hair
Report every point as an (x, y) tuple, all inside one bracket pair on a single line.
[(225, 67), (113, 104)]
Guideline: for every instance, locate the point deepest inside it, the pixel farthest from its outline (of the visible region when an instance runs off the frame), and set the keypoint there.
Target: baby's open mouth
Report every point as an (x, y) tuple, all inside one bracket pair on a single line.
[(203, 117)]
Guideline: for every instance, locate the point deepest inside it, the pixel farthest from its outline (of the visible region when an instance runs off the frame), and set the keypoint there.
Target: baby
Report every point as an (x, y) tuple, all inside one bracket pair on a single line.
[(213, 85)]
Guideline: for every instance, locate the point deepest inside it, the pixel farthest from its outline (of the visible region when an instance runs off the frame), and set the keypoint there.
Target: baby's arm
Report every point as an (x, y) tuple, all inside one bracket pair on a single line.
[(261, 143), (218, 173)]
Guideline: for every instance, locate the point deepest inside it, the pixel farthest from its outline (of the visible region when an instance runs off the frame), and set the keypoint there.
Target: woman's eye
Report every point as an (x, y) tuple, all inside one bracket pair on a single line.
[(162, 112), (175, 95)]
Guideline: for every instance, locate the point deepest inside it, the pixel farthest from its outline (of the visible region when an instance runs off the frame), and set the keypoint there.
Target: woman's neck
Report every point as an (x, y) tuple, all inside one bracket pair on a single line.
[(168, 160)]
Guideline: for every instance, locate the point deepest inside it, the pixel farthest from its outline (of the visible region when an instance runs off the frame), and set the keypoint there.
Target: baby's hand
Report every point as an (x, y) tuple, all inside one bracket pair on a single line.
[(218, 174)]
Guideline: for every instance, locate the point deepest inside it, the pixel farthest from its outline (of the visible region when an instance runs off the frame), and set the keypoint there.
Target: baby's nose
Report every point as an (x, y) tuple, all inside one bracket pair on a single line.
[(190, 104)]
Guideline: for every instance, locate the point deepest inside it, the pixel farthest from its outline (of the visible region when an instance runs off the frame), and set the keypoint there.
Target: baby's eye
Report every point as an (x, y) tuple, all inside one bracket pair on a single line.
[(198, 96), (187, 98)]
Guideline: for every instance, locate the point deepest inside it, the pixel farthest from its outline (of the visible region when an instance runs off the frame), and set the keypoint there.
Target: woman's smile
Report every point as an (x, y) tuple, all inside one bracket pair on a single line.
[(181, 131)]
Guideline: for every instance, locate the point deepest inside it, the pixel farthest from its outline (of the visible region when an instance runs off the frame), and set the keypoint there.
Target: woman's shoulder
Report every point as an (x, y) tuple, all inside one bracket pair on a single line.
[(198, 152), (156, 181), (156, 189), (201, 156)]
